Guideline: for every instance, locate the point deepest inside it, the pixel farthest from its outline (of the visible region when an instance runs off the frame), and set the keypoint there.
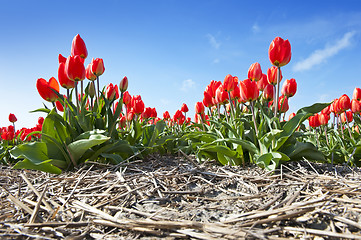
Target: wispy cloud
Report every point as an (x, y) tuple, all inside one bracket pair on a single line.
[(321, 55), (213, 41), (187, 85), (255, 28)]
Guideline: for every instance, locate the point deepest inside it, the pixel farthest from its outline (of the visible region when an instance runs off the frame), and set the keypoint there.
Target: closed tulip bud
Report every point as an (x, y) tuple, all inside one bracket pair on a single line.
[(59, 106), (74, 68), (221, 95), (153, 113), (255, 72), (356, 94), (283, 104), (78, 47), (199, 108), (64, 81), (344, 103), (207, 99), (123, 85), (89, 74), (228, 83), (355, 106), (279, 52), (272, 75), (235, 93), (97, 66), (122, 122), (313, 121), (45, 89), (347, 114), (111, 92), (248, 90), (12, 118), (91, 90), (184, 108), (126, 98), (263, 82), (323, 118), (268, 92), (289, 88)]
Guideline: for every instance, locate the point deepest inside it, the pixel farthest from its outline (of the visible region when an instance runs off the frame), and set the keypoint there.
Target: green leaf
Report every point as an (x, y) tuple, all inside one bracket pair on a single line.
[(270, 161), (44, 166), (79, 147)]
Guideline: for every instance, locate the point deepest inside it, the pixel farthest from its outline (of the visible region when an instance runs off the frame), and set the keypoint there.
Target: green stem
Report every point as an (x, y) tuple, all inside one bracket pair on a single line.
[(278, 90)]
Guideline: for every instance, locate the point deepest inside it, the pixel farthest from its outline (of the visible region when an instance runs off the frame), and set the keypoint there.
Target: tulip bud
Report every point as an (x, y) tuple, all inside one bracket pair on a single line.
[(12, 118), (166, 115), (97, 66), (123, 85), (91, 90), (184, 108), (289, 88), (357, 94), (89, 74), (279, 52), (255, 72), (78, 47), (199, 108), (272, 75), (228, 83)]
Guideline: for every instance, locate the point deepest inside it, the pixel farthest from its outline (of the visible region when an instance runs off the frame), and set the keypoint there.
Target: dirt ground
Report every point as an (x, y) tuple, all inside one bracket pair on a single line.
[(174, 197)]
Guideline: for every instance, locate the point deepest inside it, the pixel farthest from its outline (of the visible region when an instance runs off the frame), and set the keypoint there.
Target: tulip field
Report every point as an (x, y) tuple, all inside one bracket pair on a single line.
[(236, 123), (103, 165)]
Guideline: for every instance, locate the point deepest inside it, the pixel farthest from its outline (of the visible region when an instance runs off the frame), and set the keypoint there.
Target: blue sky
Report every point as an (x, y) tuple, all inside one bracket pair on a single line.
[(170, 50)]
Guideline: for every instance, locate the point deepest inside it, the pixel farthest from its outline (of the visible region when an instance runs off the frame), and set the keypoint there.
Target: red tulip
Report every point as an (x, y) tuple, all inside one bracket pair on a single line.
[(64, 81), (344, 103), (327, 110), (268, 92), (228, 83), (283, 104), (44, 89), (59, 106), (255, 72), (74, 68), (262, 83), (62, 59), (323, 118), (123, 85), (146, 113), (292, 115), (357, 94), (179, 117), (347, 114), (207, 99), (153, 113), (122, 122), (78, 47), (248, 90), (112, 92), (313, 121), (126, 98), (89, 74), (221, 95), (166, 115), (279, 52), (137, 104), (235, 94), (184, 108), (97, 66), (289, 88), (272, 75), (12, 118), (199, 108), (355, 106)]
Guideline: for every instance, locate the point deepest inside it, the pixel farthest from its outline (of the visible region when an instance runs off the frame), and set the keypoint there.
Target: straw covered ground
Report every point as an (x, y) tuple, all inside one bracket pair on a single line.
[(173, 197)]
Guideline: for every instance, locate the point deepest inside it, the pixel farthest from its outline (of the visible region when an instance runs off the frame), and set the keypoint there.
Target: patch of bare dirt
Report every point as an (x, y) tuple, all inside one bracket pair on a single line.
[(167, 197)]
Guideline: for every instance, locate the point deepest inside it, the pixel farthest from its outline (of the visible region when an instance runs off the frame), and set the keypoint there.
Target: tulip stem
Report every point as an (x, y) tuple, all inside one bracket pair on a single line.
[(98, 90), (232, 114), (77, 98), (254, 118), (278, 90)]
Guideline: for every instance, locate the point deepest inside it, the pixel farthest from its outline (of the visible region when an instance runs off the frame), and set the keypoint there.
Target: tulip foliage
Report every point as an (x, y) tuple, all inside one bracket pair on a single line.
[(237, 121)]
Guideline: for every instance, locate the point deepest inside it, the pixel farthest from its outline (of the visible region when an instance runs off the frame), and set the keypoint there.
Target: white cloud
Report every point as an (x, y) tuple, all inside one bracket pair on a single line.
[(187, 85), (213, 41), (215, 61), (323, 98), (321, 55), (255, 28)]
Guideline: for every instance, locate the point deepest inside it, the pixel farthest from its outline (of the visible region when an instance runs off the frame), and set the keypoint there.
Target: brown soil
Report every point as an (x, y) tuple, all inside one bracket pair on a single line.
[(167, 197)]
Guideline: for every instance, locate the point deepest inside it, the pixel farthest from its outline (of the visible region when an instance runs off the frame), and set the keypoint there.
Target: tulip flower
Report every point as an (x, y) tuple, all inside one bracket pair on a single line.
[(323, 118), (146, 113), (63, 78), (221, 95), (166, 115), (255, 72), (89, 74), (97, 66), (179, 117), (228, 83), (292, 115), (355, 106), (184, 108), (199, 108), (279, 52), (45, 89), (283, 104), (356, 94), (12, 118), (123, 85), (248, 90), (78, 47), (207, 99), (344, 103), (122, 122), (126, 98), (111, 92), (327, 110), (61, 59), (347, 114), (74, 68), (262, 83), (289, 88), (313, 121), (59, 106), (268, 92), (235, 94), (137, 104), (272, 75)]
